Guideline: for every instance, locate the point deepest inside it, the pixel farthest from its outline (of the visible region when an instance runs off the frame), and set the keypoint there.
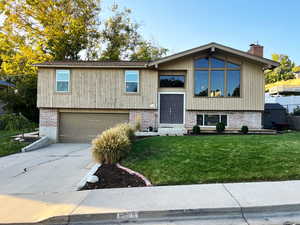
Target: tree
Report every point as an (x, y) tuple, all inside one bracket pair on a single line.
[(23, 98), (36, 31), (146, 50), (283, 72), (123, 41)]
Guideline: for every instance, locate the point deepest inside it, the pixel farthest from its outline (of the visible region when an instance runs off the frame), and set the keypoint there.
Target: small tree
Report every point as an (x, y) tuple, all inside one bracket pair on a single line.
[(297, 111)]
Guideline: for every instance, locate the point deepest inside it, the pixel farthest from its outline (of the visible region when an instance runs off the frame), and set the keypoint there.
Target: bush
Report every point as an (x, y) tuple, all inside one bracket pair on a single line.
[(297, 111), (15, 122), (111, 146), (128, 130), (220, 127), (244, 130), (196, 129)]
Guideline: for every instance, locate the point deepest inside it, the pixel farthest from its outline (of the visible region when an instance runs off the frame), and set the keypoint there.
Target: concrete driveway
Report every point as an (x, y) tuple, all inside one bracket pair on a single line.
[(56, 168)]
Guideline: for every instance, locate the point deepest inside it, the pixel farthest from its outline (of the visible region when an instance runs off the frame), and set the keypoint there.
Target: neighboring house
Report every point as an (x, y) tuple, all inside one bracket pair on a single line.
[(3, 87), (285, 93), (203, 85)]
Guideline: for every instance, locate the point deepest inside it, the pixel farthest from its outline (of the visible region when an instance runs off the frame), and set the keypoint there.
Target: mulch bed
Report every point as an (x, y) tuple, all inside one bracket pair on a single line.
[(110, 176)]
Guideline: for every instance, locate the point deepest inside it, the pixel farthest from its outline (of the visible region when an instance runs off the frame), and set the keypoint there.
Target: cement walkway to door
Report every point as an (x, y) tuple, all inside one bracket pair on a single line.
[(57, 168)]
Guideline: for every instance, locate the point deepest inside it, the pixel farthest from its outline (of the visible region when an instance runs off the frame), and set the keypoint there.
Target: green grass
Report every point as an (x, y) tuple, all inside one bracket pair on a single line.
[(216, 158), (7, 146)]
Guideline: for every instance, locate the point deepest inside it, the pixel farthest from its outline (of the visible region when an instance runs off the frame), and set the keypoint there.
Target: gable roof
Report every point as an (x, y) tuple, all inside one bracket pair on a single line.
[(213, 46), (94, 64)]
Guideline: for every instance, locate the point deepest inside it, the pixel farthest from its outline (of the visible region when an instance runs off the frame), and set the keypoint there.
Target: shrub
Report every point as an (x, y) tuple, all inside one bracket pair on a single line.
[(15, 122), (128, 130), (111, 146), (297, 111), (196, 129), (244, 130), (220, 127)]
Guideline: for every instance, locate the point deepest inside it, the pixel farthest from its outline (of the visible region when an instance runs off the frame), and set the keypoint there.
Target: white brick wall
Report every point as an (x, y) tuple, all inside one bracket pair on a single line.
[(148, 118), (234, 119), (49, 121)]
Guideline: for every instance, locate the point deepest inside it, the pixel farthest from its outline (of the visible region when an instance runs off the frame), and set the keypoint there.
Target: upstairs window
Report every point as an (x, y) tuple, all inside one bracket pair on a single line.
[(216, 78), (171, 81), (62, 80), (132, 81)]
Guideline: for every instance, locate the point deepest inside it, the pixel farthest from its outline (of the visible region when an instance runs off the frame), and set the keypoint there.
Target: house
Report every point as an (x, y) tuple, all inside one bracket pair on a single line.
[(203, 85), (285, 93)]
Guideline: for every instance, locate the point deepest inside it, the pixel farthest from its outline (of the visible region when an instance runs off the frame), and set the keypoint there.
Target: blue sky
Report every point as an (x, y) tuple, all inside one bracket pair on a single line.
[(183, 24)]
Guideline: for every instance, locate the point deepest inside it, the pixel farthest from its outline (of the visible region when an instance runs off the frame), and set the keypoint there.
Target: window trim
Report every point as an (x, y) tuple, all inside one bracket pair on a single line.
[(211, 114), (183, 75), (209, 69), (56, 80), (138, 81)]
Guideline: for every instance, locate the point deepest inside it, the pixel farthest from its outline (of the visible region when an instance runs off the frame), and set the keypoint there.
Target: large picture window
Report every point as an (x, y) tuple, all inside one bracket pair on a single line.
[(216, 78), (62, 80), (132, 81), (171, 80)]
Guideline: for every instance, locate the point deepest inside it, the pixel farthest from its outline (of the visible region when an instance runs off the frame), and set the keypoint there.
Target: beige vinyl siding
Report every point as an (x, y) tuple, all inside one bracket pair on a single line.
[(252, 87), (97, 88)]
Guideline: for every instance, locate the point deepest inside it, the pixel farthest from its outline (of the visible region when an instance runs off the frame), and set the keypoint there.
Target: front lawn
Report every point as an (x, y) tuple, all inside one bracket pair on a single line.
[(7, 146), (216, 158)]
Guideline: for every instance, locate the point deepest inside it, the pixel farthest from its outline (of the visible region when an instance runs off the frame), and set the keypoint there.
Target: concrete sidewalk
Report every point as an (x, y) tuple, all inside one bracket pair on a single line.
[(240, 202)]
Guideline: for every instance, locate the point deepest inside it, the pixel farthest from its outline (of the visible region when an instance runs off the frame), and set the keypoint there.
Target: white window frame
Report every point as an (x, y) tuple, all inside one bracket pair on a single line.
[(56, 80), (203, 118), (138, 81)]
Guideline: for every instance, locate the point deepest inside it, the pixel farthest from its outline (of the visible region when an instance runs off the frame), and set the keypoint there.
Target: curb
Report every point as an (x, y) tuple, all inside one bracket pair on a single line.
[(180, 214), (132, 172)]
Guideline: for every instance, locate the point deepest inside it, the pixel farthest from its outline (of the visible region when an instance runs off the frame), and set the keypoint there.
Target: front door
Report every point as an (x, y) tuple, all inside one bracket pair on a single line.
[(171, 108)]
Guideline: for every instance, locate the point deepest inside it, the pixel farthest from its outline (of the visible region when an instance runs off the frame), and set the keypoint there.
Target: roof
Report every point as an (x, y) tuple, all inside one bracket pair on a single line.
[(6, 84), (96, 64), (145, 64), (213, 46)]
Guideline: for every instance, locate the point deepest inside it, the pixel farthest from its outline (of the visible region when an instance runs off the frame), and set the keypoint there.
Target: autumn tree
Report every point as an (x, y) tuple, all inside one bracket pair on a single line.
[(283, 72), (123, 40)]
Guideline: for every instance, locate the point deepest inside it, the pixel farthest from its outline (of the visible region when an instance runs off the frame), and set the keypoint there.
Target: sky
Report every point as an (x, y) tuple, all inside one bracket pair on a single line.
[(183, 24)]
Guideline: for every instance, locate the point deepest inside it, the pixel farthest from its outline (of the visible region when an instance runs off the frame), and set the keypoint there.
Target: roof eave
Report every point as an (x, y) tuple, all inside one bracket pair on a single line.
[(86, 66)]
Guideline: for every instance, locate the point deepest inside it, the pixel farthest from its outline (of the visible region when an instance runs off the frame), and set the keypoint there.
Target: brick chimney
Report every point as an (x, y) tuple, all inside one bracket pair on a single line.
[(257, 50)]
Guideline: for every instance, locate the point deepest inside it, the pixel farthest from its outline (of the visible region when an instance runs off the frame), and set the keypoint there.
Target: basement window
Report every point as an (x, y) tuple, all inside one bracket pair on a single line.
[(210, 120), (62, 80)]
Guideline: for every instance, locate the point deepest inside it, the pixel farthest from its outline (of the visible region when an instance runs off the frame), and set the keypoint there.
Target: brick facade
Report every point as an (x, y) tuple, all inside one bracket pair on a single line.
[(49, 122), (148, 118), (234, 119)]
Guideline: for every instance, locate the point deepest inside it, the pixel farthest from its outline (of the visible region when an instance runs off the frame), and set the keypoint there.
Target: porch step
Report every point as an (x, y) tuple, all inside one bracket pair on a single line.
[(171, 131)]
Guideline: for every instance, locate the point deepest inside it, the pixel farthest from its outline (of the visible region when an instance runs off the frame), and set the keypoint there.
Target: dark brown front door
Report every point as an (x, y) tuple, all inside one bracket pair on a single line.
[(171, 108)]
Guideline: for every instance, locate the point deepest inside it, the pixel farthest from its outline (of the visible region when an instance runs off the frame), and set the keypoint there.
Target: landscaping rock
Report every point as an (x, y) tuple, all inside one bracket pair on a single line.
[(92, 179)]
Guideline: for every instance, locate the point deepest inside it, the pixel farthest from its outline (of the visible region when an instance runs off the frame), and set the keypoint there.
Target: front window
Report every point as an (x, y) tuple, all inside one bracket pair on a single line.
[(171, 81), (211, 119), (132, 81), (216, 78), (62, 80)]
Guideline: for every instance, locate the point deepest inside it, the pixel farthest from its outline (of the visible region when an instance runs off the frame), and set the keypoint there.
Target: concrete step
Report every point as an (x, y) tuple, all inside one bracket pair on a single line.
[(171, 131)]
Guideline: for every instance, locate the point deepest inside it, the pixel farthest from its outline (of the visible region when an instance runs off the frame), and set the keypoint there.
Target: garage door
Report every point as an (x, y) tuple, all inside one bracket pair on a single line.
[(83, 127)]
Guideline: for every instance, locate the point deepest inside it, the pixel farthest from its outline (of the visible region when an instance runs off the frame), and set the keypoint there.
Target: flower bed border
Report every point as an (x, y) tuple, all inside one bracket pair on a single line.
[(132, 172)]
